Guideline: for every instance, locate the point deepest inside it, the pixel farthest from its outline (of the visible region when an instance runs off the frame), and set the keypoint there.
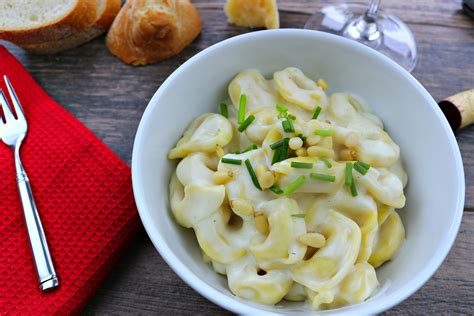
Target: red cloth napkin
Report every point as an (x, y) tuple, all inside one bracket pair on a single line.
[(84, 196)]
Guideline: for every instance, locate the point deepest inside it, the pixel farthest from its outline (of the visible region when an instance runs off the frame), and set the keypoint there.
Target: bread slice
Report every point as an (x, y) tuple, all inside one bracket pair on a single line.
[(107, 10), (37, 21), (147, 31)]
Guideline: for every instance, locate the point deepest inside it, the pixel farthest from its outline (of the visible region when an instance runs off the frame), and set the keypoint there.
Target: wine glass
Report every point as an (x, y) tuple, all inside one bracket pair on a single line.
[(371, 26)]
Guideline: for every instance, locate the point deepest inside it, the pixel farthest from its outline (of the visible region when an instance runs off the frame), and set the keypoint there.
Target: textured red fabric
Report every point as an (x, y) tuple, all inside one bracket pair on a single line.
[(84, 196)]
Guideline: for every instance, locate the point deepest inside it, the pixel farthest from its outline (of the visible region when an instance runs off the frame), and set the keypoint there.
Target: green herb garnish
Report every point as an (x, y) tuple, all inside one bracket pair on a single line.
[(291, 117), (287, 126), (323, 132), (252, 174), (353, 188), (316, 112), (298, 215), (251, 147), (224, 111), (242, 105), (281, 108), (326, 162), (246, 123), (276, 155), (301, 165), (232, 161), (277, 144), (276, 189), (284, 149), (322, 177), (293, 186), (348, 175), (360, 167)]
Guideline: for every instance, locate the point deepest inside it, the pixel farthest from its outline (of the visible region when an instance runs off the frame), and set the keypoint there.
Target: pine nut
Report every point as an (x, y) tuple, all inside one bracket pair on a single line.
[(348, 154), (222, 177), (261, 223), (266, 180), (314, 240), (242, 207)]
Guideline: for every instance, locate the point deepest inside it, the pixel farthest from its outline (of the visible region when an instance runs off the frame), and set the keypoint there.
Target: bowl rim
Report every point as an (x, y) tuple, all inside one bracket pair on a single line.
[(234, 305)]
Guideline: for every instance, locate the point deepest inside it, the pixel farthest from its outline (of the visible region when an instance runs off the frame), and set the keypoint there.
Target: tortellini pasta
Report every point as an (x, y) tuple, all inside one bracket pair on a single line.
[(292, 193)]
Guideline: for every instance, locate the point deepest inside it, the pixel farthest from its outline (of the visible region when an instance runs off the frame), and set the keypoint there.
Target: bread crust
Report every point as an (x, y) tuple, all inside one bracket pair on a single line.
[(144, 34), (81, 16), (101, 25)]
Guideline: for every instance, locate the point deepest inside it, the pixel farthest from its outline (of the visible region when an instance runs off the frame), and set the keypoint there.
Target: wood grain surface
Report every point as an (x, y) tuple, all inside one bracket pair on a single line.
[(110, 97)]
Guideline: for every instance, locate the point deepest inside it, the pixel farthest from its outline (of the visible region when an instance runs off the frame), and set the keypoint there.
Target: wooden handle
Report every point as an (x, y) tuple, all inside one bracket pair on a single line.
[(459, 109)]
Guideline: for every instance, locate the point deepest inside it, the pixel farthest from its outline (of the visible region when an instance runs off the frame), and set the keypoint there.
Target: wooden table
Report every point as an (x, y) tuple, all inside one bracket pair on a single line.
[(110, 97)]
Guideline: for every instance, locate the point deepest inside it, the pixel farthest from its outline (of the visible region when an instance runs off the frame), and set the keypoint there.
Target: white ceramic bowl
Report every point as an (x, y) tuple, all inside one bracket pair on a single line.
[(435, 194)]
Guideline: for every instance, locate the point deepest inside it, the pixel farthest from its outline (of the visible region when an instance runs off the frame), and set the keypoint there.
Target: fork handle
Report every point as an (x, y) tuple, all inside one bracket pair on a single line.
[(44, 265)]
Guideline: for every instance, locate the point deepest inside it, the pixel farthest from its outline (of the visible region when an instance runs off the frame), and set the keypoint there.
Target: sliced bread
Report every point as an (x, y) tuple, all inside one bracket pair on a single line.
[(37, 21), (107, 10)]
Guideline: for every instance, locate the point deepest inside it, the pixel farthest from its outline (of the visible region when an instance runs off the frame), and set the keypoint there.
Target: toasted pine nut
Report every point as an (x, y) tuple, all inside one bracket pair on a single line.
[(242, 207), (261, 223), (222, 177), (295, 143), (301, 152), (316, 151), (348, 154), (266, 180), (351, 140), (313, 140), (312, 239), (261, 169)]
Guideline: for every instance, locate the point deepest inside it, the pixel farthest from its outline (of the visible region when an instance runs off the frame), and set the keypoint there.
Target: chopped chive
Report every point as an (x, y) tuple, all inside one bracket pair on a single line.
[(364, 165), (281, 108), (316, 112), (293, 186), (246, 123), (232, 161), (277, 144), (252, 174), (276, 189), (284, 149), (322, 177), (291, 117), (301, 165), (323, 132), (286, 126), (251, 147), (348, 175), (360, 168), (236, 152), (291, 125), (224, 111), (353, 188), (326, 162), (242, 105), (276, 155), (298, 215)]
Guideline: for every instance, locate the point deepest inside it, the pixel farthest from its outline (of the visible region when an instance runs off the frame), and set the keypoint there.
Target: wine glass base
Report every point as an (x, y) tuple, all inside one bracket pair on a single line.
[(391, 36)]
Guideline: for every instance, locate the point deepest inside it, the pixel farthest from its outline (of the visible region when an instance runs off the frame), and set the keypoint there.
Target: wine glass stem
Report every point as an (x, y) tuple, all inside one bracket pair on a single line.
[(373, 8), (365, 28)]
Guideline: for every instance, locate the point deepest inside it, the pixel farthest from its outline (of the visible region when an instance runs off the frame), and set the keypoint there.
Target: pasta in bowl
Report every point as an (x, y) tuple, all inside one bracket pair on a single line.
[(292, 193)]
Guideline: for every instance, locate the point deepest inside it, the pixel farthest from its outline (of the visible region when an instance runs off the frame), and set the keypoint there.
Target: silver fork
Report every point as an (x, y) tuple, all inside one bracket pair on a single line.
[(13, 132)]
